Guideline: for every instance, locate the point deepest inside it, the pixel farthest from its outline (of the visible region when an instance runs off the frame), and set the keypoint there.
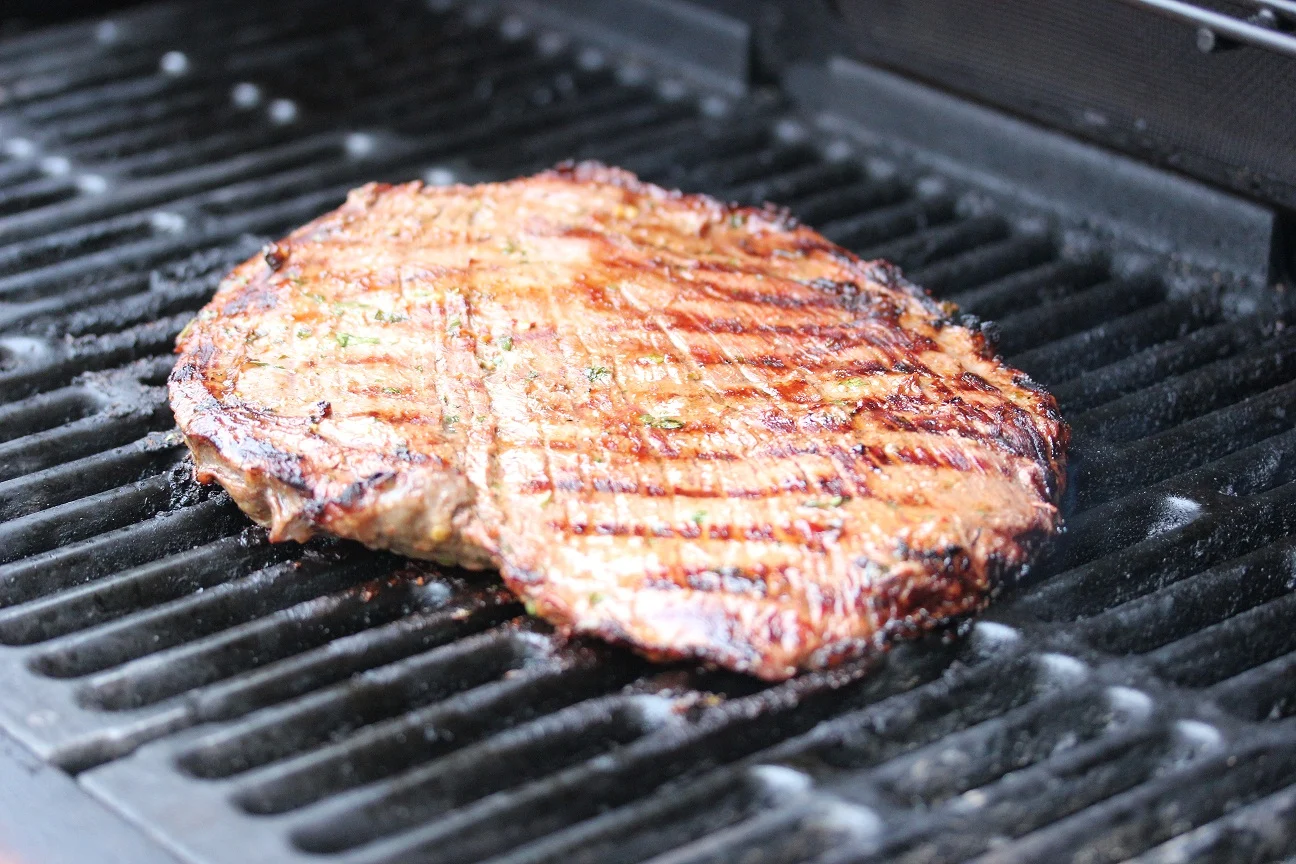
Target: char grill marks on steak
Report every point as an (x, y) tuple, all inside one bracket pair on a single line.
[(698, 429)]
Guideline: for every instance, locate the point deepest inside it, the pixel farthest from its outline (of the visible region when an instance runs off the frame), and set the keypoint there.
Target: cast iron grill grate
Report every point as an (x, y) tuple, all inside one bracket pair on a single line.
[(1131, 700)]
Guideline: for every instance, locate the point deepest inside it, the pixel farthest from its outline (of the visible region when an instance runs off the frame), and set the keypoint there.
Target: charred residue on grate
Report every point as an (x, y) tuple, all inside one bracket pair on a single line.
[(328, 701)]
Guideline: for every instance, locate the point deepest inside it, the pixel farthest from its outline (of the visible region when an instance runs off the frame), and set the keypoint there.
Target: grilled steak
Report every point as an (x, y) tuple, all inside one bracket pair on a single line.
[(698, 429)]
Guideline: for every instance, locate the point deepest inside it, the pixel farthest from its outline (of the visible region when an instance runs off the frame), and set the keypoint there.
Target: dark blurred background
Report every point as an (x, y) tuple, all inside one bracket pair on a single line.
[(40, 11)]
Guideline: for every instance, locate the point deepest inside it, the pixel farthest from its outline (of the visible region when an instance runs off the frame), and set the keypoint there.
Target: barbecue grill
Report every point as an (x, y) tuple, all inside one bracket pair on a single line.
[(178, 686)]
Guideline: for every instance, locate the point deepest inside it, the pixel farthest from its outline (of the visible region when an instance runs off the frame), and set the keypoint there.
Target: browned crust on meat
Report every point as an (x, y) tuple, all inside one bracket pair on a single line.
[(701, 430)]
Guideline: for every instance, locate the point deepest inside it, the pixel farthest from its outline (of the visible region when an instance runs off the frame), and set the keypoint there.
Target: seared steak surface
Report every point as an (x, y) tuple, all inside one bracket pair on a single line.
[(697, 429)]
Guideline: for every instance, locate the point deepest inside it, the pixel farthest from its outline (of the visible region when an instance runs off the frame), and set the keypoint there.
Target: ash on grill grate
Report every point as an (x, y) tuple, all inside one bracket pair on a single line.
[(1131, 698)]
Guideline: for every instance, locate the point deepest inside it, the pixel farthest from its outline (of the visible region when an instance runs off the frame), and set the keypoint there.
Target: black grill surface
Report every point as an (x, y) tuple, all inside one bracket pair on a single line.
[(1132, 698)]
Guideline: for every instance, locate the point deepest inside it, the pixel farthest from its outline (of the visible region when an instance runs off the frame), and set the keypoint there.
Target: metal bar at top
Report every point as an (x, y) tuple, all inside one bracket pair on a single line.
[(1286, 8), (1222, 25)]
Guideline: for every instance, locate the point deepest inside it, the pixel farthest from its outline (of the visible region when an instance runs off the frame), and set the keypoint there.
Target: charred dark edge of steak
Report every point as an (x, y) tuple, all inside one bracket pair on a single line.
[(925, 612)]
